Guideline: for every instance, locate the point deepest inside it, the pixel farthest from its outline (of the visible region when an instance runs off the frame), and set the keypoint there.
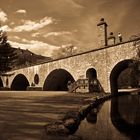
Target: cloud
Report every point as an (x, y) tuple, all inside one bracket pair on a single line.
[(6, 28), (16, 37), (35, 34), (12, 23), (3, 16), (82, 15), (25, 40), (21, 11), (37, 47), (63, 8), (32, 25), (57, 33)]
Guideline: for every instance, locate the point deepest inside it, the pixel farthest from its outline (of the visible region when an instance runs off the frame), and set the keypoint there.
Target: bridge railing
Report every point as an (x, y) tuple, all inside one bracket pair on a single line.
[(81, 84)]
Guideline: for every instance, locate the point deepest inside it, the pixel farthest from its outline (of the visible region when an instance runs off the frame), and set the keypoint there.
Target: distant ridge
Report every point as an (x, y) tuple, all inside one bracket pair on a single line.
[(27, 58)]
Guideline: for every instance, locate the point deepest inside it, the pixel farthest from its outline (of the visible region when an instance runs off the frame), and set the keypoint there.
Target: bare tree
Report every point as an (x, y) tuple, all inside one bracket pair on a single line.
[(64, 51)]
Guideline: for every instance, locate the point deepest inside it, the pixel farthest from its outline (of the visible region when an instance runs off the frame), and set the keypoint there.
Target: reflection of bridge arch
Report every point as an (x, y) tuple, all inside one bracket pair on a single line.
[(20, 82), (1, 83), (125, 114), (57, 80), (116, 72), (92, 116)]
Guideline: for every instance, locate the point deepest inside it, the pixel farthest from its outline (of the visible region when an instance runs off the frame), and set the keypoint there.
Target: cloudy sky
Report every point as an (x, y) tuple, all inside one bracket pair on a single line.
[(42, 26)]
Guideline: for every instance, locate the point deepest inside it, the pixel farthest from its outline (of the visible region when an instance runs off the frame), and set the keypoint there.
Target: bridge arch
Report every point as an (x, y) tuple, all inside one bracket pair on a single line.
[(1, 83), (57, 80), (91, 73), (20, 82), (94, 84), (122, 70)]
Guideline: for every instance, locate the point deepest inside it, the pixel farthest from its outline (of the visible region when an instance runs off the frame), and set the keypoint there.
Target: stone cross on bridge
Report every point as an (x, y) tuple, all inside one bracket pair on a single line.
[(104, 64)]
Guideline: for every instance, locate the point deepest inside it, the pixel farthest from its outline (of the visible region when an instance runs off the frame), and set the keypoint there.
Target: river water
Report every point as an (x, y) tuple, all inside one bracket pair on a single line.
[(116, 119), (23, 114)]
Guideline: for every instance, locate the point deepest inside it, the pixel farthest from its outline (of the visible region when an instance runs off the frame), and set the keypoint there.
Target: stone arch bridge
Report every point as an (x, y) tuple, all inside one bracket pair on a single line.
[(104, 64), (103, 60)]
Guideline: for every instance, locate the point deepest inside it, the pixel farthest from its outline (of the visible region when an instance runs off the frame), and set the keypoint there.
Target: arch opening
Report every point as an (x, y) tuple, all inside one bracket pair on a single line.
[(123, 76), (91, 74), (57, 80), (94, 85), (36, 79), (20, 83), (1, 83)]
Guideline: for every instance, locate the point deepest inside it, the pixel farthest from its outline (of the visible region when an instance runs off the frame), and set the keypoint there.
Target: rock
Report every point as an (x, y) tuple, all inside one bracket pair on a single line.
[(56, 128), (74, 137), (84, 111), (72, 125), (88, 100), (70, 137), (71, 121), (71, 114)]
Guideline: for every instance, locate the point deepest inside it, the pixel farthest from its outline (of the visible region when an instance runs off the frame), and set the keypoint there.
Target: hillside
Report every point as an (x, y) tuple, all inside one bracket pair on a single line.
[(15, 58), (27, 58)]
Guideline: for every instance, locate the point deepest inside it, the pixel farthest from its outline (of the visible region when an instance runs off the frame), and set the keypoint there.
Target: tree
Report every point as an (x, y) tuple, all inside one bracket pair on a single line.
[(7, 54), (64, 51)]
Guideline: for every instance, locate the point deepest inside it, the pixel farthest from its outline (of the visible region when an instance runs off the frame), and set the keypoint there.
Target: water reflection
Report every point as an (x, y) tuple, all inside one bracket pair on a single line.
[(118, 118), (125, 115), (92, 116)]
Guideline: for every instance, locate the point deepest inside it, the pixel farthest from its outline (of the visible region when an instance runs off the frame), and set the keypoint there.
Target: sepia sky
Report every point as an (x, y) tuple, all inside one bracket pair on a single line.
[(42, 26)]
